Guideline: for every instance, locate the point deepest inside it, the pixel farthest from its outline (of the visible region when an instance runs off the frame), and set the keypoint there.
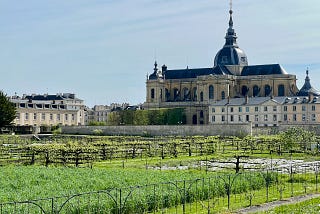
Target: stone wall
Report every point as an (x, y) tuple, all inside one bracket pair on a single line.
[(179, 130)]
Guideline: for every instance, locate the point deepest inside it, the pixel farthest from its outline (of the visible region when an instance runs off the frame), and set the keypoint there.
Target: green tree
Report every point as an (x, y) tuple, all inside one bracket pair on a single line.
[(7, 110)]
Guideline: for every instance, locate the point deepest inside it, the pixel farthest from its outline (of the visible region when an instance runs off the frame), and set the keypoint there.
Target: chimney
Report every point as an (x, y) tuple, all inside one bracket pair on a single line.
[(164, 68), (246, 99)]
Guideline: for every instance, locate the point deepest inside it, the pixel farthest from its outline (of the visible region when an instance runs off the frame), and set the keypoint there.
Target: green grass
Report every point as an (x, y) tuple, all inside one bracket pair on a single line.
[(20, 183)]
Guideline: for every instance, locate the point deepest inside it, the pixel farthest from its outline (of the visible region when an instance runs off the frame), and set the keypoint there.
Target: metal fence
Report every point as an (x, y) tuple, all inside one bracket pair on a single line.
[(204, 195)]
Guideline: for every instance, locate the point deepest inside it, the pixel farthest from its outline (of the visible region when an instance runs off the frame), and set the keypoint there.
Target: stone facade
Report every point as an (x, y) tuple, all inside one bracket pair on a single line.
[(266, 111), (230, 77), (49, 110)]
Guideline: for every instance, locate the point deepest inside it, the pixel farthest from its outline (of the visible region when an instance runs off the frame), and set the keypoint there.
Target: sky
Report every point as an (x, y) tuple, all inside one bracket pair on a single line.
[(102, 50)]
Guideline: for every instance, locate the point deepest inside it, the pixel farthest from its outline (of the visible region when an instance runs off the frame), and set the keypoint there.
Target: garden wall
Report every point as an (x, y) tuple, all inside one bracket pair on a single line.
[(174, 130)]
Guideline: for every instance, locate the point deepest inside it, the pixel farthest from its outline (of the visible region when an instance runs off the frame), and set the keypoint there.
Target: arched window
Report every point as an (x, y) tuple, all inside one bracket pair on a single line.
[(201, 96), (256, 91), (244, 90), (176, 93), (186, 94), (194, 92), (201, 114), (194, 119), (267, 90), (223, 95), (281, 90), (167, 95), (211, 92), (152, 93)]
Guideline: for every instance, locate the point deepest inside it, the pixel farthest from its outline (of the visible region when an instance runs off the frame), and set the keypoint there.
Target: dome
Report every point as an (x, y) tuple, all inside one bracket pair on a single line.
[(231, 54), (307, 88)]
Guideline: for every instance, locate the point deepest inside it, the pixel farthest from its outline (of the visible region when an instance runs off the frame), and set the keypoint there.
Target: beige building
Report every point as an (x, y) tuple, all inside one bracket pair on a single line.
[(269, 111), (49, 110), (230, 77)]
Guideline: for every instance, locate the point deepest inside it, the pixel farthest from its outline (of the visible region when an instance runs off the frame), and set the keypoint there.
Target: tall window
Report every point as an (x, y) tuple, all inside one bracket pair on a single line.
[(267, 90), (256, 91), (223, 95), (194, 94), (176, 93), (152, 93), (186, 94), (244, 90), (211, 92), (201, 96), (281, 90)]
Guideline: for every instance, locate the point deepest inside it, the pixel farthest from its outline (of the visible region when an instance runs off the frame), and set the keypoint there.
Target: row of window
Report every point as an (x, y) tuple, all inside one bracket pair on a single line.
[(265, 108), (244, 91), (266, 118), (43, 116)]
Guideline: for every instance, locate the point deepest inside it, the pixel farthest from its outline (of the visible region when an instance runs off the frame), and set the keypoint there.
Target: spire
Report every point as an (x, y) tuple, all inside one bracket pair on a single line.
[(230, 12), (231, 54), (307, 87), (155, 66), (231, 36)]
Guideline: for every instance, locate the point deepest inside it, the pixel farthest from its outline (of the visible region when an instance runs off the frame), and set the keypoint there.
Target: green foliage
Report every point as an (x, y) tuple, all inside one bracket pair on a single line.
[(295, 136), (97, 132), (172, 116), (97, 123), (7, 110)]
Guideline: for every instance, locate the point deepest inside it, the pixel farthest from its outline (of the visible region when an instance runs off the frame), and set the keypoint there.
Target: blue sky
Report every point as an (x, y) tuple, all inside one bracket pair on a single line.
[(101, 50)]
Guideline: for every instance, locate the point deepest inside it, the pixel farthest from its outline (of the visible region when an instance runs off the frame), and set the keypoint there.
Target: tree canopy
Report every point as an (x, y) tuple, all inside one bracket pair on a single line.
[(7, 110)]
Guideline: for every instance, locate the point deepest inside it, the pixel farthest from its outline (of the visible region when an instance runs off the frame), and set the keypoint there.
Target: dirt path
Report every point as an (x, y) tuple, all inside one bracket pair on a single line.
[(271, 205)]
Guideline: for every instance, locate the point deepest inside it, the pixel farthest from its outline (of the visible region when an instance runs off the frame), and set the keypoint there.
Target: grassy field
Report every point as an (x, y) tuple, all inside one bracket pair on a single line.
[(142, 182)]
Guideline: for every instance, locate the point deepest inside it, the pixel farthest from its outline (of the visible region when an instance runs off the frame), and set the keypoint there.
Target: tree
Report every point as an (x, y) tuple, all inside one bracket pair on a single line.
[(7, 110)]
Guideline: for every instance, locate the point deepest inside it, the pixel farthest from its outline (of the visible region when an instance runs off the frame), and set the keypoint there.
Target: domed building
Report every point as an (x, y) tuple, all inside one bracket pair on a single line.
[(307, 89), (231, 76)]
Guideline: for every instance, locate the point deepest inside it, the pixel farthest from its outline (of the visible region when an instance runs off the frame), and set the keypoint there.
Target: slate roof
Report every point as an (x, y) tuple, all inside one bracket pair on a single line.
[(307, 88), (261, 100), (262, 70), (46, 97), (192, 73)]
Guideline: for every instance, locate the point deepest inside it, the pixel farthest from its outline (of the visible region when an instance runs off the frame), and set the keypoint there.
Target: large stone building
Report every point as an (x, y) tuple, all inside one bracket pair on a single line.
[(269, 111), (230, 77), (49, 110)]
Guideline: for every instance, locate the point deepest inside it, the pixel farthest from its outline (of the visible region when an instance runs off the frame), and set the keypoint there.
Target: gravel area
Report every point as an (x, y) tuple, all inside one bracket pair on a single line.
[(271, 205)]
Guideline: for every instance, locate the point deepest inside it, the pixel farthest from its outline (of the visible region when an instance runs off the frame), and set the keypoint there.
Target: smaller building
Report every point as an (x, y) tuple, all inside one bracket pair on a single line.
[(49, 110), (266, 111)]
